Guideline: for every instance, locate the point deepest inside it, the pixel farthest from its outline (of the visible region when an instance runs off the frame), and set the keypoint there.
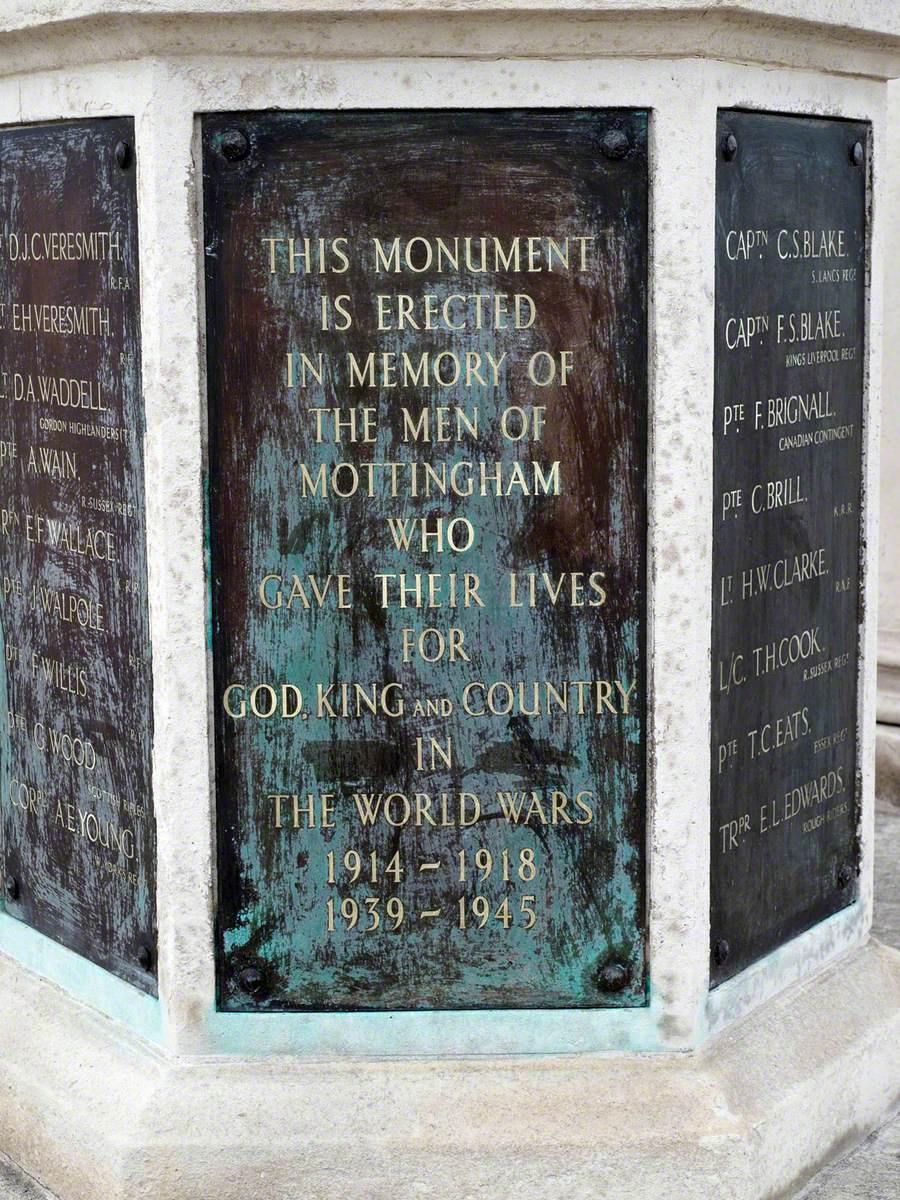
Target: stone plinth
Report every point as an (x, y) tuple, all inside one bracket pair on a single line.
[(742, 1089)]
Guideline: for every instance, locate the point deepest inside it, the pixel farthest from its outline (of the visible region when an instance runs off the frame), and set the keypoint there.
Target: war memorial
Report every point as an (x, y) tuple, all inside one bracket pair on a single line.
[(439, 510)]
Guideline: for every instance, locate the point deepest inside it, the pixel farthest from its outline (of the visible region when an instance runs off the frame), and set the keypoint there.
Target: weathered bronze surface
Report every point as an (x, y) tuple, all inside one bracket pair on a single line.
[(790, 338), (428, 573), (76, 728)]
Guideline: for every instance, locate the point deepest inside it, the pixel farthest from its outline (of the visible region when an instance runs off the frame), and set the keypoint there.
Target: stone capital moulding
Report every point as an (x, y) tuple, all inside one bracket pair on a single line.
[(821, 34)]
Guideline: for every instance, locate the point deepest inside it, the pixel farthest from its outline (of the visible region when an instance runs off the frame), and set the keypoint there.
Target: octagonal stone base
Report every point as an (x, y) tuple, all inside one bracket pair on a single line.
[(96, 1114)]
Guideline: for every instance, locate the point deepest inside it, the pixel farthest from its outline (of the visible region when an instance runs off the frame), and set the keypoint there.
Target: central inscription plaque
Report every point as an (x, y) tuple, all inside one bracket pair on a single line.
[(427, 395)]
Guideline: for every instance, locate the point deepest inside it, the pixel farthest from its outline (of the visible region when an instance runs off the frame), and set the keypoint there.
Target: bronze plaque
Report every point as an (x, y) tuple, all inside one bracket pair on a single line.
[(75, 738), (427, 398), (788, 438)]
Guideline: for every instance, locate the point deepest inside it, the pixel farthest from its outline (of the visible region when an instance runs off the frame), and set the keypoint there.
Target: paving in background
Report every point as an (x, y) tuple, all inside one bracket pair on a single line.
[(16, 1186), (871, 1172)]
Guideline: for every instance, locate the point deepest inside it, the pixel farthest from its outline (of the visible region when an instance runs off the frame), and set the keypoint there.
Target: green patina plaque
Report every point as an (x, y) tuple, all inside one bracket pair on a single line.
[(77, 828), (427, 421), (791, 253)]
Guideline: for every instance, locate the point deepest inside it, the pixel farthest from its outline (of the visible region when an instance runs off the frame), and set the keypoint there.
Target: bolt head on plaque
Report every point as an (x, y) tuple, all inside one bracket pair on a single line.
[(614, 144), (857, 154), (613, 977), (845, 876), (721, 951), (145, 957), (123, 155), (729, 147), (253, 982), (11, 887), (234, 145)]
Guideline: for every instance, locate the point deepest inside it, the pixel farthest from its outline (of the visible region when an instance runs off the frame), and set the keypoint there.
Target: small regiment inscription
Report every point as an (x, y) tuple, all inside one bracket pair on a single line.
[(76, 727), (427, 397), (788, 437)]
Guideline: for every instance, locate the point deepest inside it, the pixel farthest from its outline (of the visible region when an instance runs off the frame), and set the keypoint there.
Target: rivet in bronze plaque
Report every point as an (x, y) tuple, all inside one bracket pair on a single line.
[(614, 144), (729, 146), (123, 155), (845, 875), (253, 982), (721, 950), (857, 153), (613, 977), (145, 957), (11, 886), (234, 145)]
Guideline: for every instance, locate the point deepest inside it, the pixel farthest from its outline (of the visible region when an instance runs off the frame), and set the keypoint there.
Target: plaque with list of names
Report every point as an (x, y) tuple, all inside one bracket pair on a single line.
[(788, 439), (427, 414), (78, 838)]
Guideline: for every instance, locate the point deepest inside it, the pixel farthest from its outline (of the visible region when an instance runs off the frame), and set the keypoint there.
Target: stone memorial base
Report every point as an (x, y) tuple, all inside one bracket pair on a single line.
[(184, 1026), (95, 1113)]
